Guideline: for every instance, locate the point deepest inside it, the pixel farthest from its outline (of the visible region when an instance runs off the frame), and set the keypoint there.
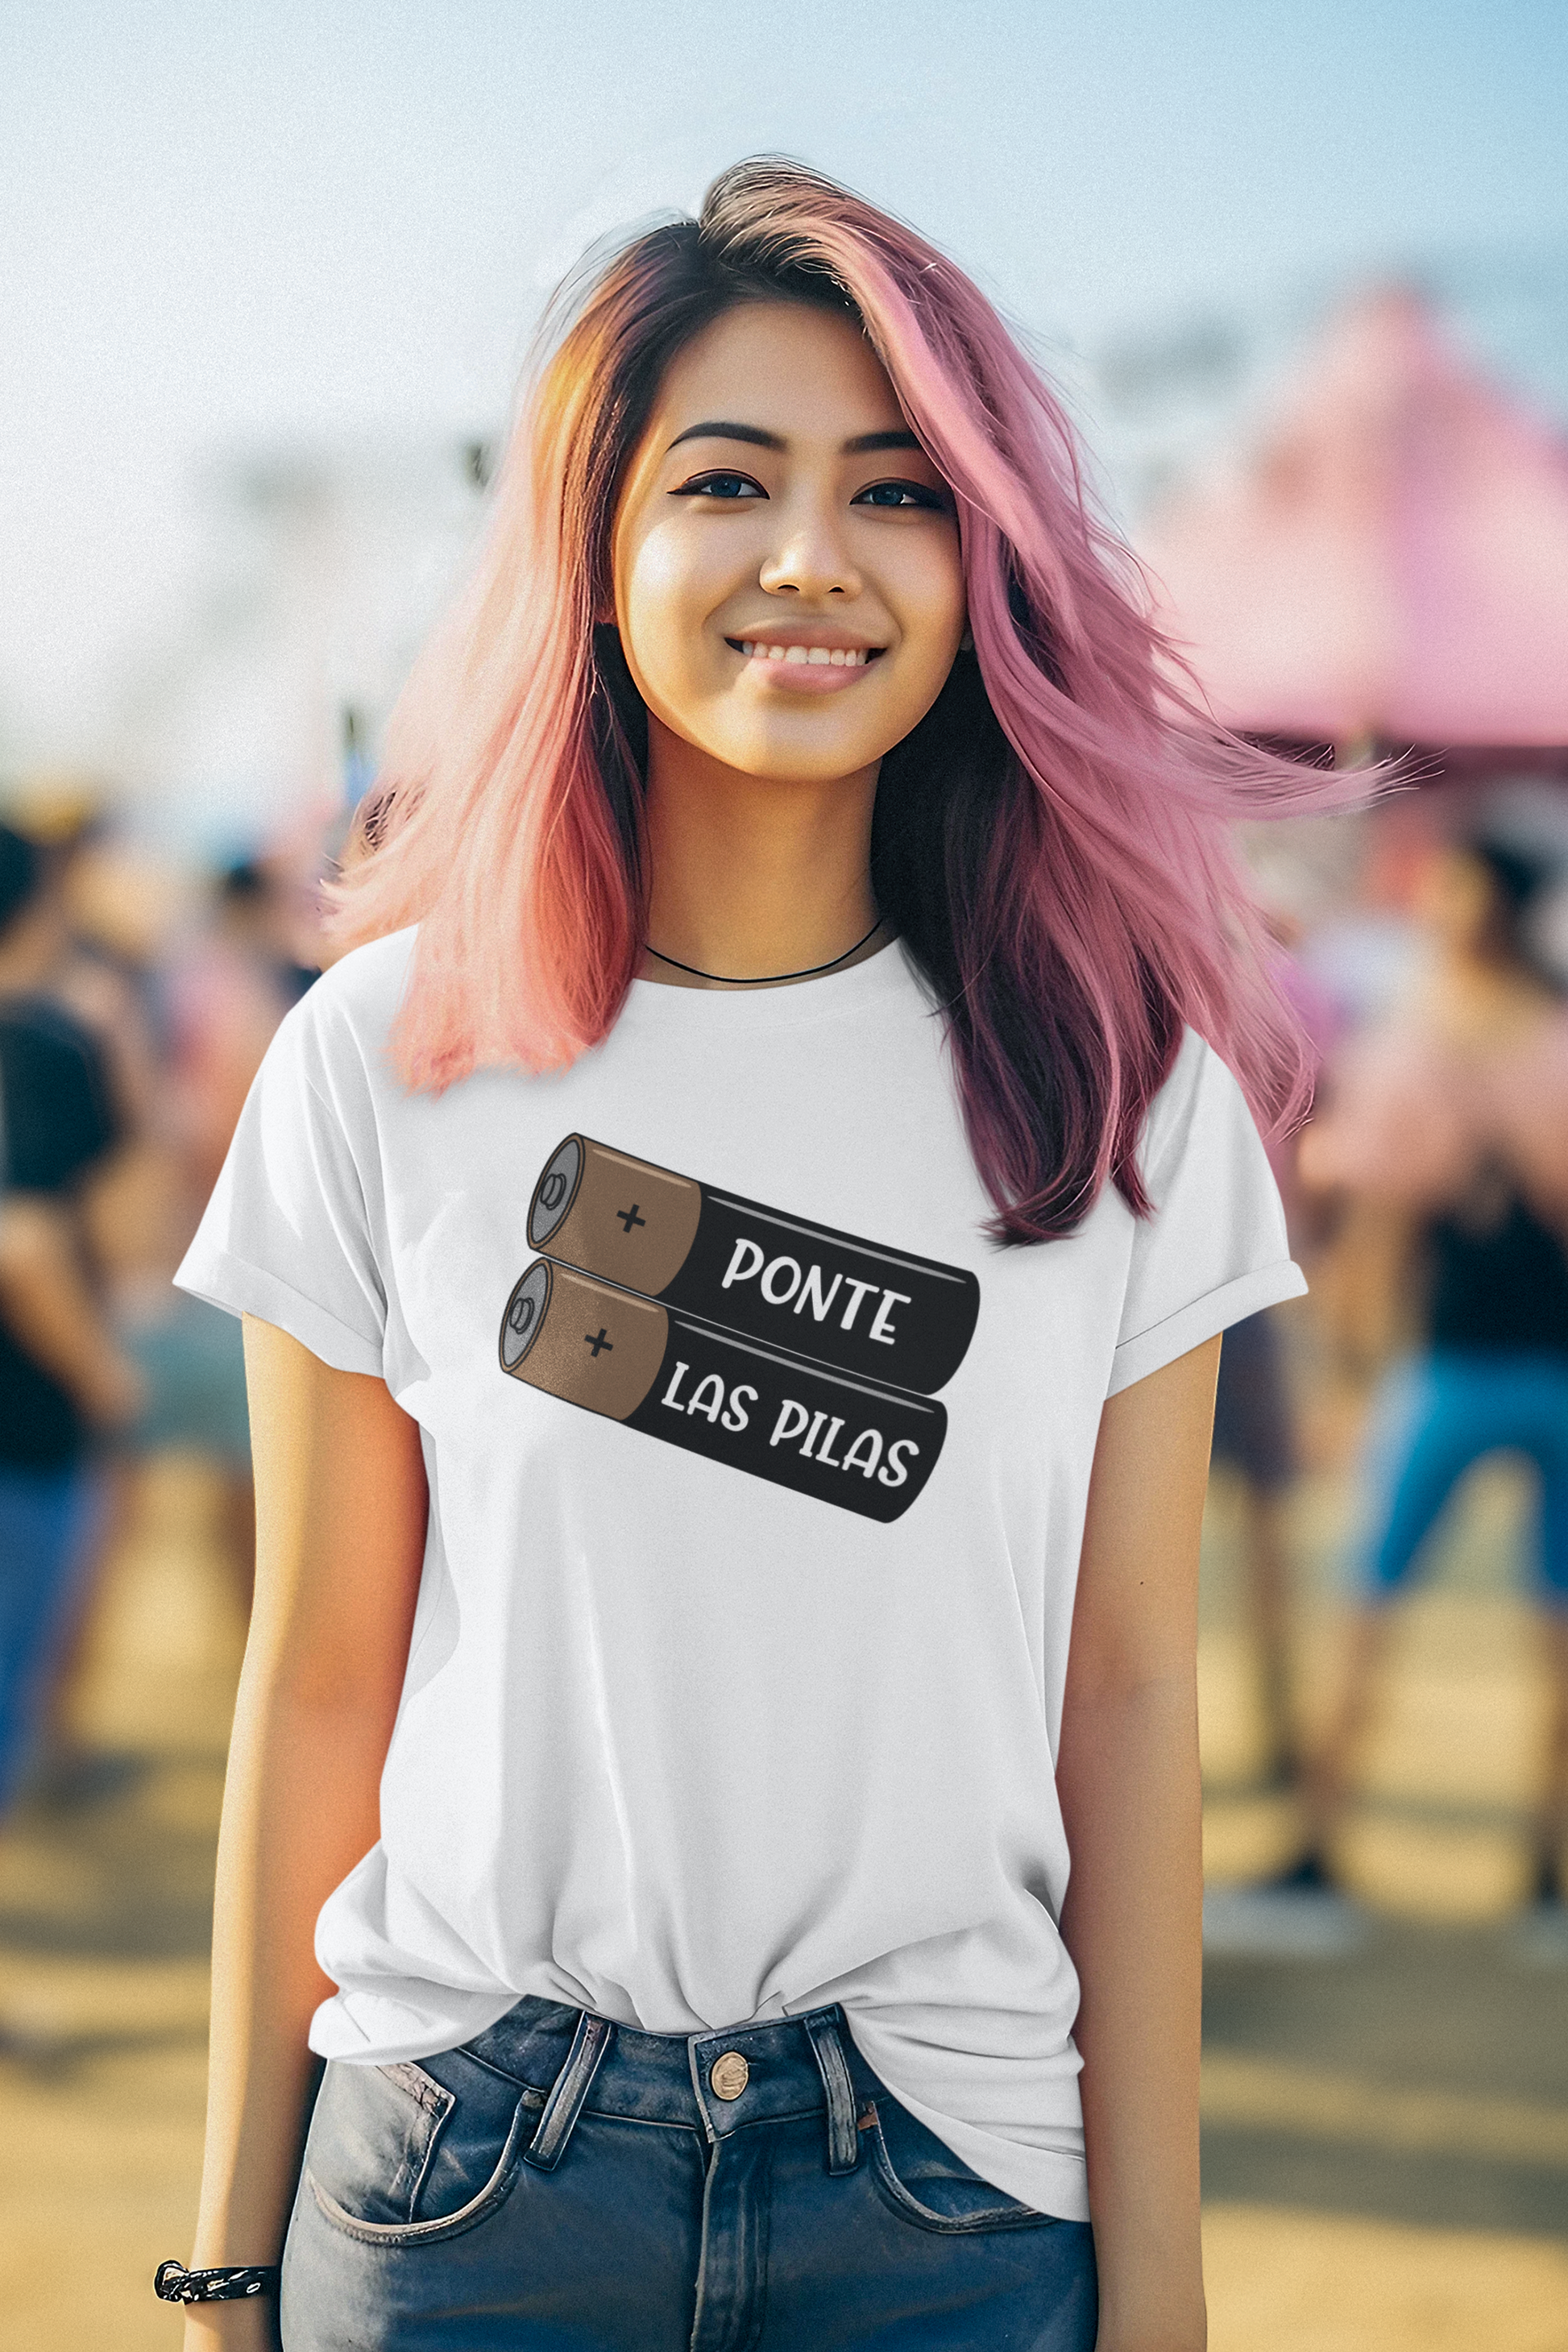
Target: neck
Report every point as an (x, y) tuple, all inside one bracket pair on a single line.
[(752, 877)]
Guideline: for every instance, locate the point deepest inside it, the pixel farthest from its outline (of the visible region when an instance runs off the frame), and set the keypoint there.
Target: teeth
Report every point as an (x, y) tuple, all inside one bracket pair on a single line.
[(832, 656)]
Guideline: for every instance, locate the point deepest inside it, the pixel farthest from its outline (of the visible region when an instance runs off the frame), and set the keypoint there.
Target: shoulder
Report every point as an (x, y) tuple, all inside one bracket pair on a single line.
[(1201, 1143), (366, 986), (335, 1043), (356, 1000), (1200, 1091)]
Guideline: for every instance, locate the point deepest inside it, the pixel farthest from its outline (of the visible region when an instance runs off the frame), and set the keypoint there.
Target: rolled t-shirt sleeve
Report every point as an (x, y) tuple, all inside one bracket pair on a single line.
[(1215, 1249), (290, 1232)]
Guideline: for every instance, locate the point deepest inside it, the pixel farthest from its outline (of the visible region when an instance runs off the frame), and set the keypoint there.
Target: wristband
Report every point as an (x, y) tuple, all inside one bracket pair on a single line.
[(173, 2283)]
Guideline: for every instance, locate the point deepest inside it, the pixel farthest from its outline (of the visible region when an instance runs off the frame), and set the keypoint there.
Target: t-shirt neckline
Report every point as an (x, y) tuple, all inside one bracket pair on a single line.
[(879, 980)]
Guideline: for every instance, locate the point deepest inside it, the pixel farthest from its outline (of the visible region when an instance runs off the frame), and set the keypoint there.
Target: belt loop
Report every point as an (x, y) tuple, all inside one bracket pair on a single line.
[(842, 2140), (571, 2088)]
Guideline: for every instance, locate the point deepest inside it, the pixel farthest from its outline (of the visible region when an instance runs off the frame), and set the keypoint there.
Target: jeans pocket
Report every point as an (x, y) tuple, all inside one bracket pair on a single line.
[(401, 2153), (926, 2185)]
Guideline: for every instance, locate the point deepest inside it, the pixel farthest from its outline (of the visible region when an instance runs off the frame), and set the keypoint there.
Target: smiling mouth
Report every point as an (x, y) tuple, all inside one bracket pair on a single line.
[(812, 657)]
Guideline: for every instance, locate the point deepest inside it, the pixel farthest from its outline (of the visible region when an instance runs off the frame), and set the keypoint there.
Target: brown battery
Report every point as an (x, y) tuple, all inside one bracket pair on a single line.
[(718, 1393), (608, 1366), (600, 1208)]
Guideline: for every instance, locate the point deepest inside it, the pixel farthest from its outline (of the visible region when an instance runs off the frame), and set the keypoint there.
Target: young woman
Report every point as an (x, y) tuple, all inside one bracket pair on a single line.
[(1445, 1137), (733, 1268)]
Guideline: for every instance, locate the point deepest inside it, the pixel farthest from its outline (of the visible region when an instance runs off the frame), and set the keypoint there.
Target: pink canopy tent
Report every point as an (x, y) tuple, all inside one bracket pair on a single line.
[(1391, 562)]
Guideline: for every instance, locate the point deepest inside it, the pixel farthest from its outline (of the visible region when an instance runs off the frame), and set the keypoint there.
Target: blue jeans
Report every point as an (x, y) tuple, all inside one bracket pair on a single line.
[(1433, 1419), (45, 1517), (562, 2184)]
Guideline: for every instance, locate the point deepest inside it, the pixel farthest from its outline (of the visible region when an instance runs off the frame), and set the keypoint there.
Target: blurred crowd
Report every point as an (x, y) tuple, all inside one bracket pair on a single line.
[(1427, 1198), (136, 1003)]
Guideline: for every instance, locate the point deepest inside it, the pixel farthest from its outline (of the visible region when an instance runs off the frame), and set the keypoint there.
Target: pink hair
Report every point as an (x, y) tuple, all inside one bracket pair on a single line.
[(1053, 840)]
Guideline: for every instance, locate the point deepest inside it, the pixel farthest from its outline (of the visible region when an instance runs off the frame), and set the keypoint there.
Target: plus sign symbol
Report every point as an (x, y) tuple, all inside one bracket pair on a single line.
[(629, 1217), (597, 1339)]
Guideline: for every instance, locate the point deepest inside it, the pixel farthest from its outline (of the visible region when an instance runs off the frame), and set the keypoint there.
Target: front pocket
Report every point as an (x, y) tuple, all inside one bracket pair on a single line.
[(396, 2155), (967, 2203)]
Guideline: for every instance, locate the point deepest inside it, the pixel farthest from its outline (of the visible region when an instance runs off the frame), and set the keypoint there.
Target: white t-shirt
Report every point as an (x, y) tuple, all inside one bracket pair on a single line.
[(736, 1678)]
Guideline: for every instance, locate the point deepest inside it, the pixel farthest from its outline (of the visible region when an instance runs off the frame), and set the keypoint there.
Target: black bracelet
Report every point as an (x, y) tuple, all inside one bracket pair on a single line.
[(173, 2283)]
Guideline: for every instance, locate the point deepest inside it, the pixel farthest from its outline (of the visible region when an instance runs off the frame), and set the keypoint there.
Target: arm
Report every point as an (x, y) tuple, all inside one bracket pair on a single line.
[(1128, 1774), (340, 1507), (1366, 1283), (50, 1311)]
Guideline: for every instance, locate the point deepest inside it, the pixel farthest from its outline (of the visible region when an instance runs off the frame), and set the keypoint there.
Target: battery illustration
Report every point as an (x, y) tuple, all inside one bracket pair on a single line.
[(795, 1285), (652, 1368)]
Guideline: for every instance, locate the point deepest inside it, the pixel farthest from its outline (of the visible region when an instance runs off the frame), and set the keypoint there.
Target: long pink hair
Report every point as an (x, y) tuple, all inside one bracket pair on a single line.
[(1052, 841)]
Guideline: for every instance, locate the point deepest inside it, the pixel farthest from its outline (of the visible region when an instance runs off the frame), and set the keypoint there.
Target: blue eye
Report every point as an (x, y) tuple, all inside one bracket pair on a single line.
[(902, 494), (720, 486)]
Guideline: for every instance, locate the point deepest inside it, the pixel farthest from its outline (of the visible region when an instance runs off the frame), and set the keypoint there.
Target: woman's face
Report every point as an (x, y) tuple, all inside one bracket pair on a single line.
[(787, 580)]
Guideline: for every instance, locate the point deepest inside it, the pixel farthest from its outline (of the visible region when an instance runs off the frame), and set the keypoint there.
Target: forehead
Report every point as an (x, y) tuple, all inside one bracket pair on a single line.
[(793, 369)]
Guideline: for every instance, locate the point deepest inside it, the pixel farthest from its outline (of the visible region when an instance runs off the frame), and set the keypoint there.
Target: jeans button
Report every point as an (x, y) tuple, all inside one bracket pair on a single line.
[(729, 2075)]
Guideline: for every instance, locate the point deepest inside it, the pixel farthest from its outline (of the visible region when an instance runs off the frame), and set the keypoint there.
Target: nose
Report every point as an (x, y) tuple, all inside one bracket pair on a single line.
[(810, 558)]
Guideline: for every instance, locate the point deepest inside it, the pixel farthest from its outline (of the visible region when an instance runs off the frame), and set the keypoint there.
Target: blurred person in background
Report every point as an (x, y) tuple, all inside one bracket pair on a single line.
[(63, 1375), (1445, 1140), (1254, 1436), (1255, 1443), (221, 996), (98, 916), (98, 919)]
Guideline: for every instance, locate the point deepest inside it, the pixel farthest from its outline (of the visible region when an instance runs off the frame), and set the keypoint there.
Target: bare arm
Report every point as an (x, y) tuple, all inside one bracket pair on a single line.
[(1365, 1283), (50, 1310), (340, 1507), (1127, 1775)]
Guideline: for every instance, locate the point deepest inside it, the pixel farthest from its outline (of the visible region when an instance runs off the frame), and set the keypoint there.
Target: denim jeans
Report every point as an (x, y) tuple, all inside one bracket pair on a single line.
[(46, 1524), (562, 2184), (1440, 1413)]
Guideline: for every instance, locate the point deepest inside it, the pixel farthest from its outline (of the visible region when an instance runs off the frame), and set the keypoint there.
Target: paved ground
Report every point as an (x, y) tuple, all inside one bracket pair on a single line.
[(1386, 2133)]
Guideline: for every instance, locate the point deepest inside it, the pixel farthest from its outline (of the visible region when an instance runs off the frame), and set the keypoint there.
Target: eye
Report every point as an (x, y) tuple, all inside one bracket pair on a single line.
[(903, 494), (720, 486)]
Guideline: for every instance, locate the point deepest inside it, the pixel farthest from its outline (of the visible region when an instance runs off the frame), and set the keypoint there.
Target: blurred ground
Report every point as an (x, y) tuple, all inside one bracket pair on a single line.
[(1387, 2134)]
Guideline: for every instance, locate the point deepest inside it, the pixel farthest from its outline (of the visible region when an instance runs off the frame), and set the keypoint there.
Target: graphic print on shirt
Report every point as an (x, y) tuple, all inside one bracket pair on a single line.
[(781, 1347)]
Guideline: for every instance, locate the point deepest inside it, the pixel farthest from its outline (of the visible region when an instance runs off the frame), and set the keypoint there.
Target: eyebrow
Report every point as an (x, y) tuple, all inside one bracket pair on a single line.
[(722, 429)]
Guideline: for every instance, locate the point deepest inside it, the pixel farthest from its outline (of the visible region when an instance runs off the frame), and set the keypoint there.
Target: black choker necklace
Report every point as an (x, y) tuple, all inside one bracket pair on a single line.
[(766, 980)]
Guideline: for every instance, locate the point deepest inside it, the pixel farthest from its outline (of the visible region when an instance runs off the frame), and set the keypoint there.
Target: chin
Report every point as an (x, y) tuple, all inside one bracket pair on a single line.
[(800, 764), (797, 744)]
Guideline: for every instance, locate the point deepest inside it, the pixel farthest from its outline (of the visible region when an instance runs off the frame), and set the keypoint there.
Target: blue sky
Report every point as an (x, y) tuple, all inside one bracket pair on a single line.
[(224, 226)]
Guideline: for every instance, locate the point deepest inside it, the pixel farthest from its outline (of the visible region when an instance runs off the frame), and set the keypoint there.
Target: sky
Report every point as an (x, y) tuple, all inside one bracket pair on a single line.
[(230, 229)]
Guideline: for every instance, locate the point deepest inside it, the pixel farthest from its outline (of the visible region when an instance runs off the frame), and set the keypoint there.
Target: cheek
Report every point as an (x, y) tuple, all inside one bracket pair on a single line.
[(928, 599), (667, 588)]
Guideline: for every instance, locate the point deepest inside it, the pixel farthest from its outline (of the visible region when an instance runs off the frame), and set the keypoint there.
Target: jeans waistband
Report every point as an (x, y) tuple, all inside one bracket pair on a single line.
[(713, 2083)]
